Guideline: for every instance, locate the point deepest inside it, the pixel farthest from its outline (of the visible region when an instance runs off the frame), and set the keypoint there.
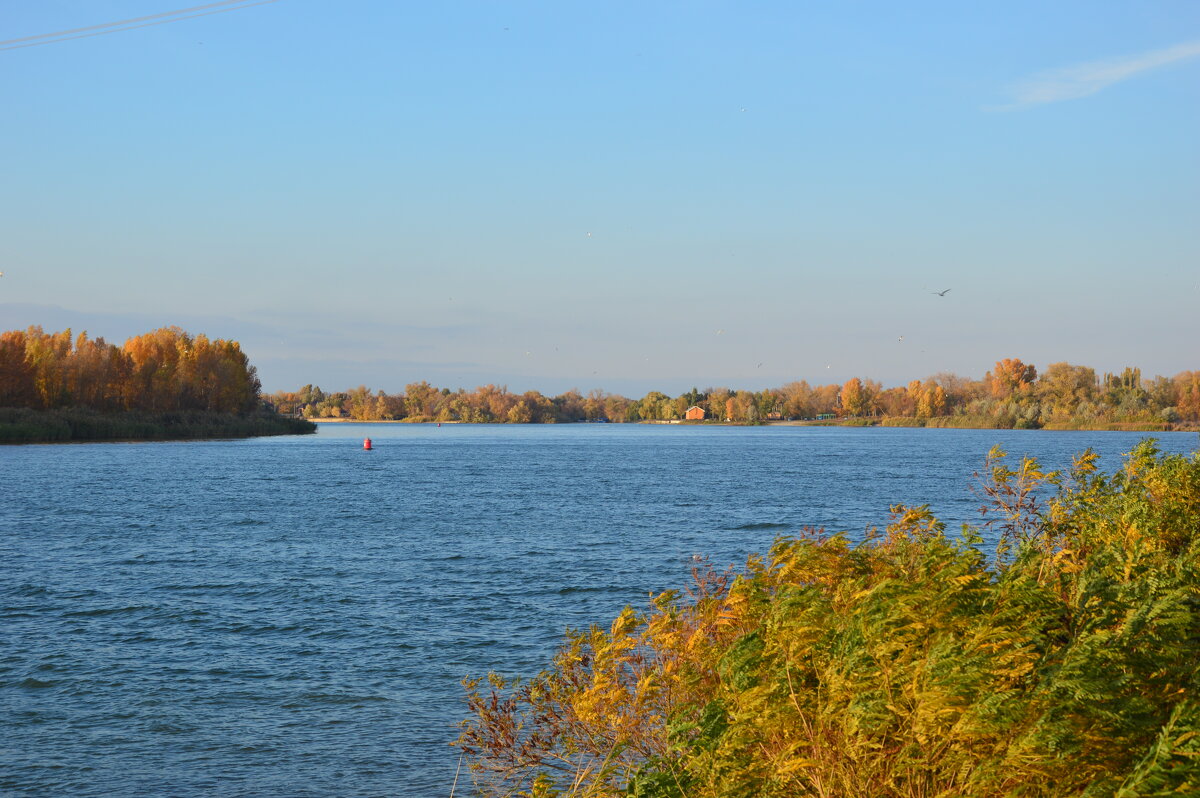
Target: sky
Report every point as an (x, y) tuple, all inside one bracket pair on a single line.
[(628, 196)]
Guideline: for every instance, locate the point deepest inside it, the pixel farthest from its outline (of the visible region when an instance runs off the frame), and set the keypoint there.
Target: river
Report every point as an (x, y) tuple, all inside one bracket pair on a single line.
[(292, 616)]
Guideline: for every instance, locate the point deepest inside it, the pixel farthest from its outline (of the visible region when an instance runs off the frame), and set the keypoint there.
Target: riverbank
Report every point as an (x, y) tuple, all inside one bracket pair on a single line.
[(955, 422), (22, 425), (941, 422)]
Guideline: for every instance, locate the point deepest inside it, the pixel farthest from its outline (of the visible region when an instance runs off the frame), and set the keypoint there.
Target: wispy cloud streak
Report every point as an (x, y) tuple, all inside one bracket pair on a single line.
[(1082, 80)]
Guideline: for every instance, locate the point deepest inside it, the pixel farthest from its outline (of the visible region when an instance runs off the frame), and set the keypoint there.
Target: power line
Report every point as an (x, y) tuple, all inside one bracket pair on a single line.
[(134, 23), (122, 22)]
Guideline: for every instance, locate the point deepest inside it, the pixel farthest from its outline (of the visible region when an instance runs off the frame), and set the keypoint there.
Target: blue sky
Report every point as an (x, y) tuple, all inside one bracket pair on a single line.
[(622, 195)]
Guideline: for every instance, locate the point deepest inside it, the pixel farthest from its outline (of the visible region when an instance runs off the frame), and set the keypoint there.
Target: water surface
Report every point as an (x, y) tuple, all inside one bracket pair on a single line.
[(292, 616)]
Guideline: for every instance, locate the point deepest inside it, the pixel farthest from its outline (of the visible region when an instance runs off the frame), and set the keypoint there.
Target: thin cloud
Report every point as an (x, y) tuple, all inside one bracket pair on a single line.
[(1082, 80)]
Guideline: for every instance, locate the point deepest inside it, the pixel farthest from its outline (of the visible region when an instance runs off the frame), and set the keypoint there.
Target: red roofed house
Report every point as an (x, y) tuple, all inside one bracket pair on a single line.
[(694, 413)]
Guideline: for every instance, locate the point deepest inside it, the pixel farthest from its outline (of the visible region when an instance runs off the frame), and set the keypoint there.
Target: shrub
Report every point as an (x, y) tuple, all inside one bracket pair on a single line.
[(908, 665), (902, 421)]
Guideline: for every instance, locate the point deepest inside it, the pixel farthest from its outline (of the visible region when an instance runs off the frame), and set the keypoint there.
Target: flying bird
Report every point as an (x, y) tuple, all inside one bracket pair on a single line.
[(941, 293)]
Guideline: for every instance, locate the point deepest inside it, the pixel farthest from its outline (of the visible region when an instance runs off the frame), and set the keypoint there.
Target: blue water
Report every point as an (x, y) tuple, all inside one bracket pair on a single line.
[(292, 616)]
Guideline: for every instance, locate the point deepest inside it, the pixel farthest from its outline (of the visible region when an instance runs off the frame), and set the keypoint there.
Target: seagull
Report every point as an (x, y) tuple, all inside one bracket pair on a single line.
[(720, 332), (589, 235), (941, 293), (901, 338), (759, 366)]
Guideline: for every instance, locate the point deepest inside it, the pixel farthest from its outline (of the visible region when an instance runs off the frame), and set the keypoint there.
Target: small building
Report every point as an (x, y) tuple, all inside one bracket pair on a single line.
[(694, 413)]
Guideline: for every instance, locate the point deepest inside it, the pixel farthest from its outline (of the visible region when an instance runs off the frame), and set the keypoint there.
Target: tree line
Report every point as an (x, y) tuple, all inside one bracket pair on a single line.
[(1011, 395), (167, 370)]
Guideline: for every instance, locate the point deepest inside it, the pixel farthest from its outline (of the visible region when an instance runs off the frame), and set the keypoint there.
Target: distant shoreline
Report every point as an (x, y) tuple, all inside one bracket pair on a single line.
[(1113, 427)]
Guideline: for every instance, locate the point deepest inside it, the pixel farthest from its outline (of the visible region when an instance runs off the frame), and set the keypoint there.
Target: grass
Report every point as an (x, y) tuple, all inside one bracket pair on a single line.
[(22, 425)]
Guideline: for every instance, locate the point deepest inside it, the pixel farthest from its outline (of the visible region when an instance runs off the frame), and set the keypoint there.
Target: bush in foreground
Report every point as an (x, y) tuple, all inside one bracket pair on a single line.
[(909, 665)]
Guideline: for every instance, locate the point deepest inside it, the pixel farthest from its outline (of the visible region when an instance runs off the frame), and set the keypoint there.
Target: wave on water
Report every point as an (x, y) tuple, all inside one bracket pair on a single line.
[(334, 698), (29, 589), (106, 611), (574, 590), (760, 525)]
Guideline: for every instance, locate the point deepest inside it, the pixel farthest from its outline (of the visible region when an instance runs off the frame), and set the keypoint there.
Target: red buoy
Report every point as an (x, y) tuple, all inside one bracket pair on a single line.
[(367, 444)]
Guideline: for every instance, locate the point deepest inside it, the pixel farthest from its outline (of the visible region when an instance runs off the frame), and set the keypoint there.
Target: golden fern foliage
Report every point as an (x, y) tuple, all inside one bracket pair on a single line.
[(906, 666)]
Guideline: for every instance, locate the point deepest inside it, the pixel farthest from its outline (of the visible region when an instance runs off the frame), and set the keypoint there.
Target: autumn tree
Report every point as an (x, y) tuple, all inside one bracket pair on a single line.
[(48, 353), (1125, 391), (1065, 387), (655, 406), (742, 407), (718, 403), (1187, 385), (1010, 376), (931, 402), (162, 370), (616, 408), (360, 404), (797, 400), (593, 405), (853, 398), (420, 399), (571, 406), (825, 398), (18, 386), (768, 404)]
